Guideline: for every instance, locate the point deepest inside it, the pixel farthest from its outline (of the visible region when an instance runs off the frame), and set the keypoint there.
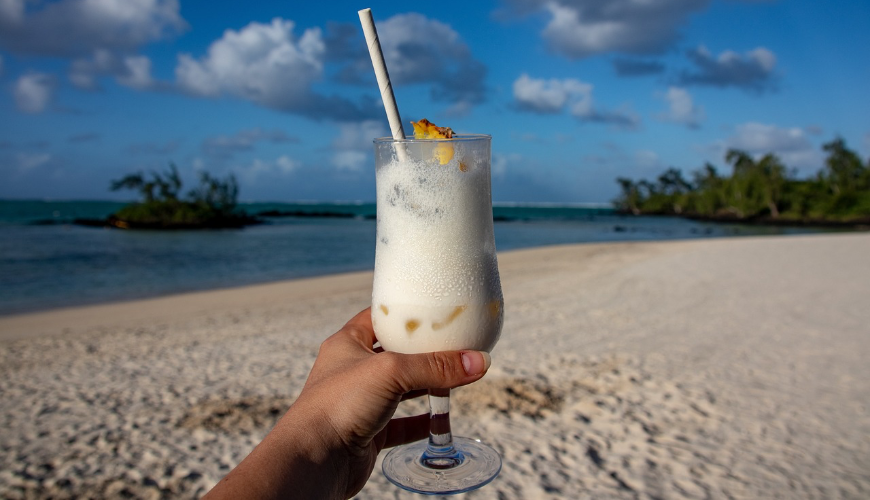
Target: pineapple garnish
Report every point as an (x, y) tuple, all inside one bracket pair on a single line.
[(424, 129)]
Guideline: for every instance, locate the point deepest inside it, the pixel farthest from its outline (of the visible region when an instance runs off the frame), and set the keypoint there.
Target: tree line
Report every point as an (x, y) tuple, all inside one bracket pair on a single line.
[(758, 189)]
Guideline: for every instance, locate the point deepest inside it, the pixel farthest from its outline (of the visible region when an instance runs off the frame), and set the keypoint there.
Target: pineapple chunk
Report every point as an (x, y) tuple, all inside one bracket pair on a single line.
[(424, 129)]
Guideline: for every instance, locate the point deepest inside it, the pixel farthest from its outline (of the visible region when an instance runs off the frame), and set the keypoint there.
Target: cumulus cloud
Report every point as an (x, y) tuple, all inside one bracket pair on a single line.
[(580, 29), (130, 71), (267, 64), (554, 96), (418, 50), (791, 145), (353, 145), (751, 71), (551, 96), (78, 27), (226, 146), (682, 108), (33, 92)]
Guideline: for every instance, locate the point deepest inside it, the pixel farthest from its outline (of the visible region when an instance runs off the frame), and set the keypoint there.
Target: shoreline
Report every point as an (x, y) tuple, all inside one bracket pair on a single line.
[(254, 294), (177, 304), (52, 304), (857, 224), (729, 367)]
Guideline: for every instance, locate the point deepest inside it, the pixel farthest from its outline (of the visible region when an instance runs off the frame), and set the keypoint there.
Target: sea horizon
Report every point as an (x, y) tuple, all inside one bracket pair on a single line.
[(47, 261)]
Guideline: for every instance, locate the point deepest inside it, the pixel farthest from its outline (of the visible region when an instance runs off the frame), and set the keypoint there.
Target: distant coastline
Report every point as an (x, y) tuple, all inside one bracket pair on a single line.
[(47, 262), (859, 223), (97, 213)]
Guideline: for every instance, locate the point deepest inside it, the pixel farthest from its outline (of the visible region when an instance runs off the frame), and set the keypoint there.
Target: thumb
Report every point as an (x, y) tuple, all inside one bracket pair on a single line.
[(437, 370)]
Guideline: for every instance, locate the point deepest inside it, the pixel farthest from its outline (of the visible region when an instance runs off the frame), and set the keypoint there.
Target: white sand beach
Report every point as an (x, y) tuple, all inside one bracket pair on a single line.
[(722, 368)]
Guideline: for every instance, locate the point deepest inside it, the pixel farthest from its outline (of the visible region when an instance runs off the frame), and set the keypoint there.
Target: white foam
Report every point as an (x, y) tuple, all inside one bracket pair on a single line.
[(435, 255)]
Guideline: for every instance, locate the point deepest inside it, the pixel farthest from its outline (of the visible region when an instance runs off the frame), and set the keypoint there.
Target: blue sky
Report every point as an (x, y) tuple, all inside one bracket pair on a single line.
[(282, 94)]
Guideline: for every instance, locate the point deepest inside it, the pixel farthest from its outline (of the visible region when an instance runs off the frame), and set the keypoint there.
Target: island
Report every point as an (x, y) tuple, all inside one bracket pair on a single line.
[(213, 204)]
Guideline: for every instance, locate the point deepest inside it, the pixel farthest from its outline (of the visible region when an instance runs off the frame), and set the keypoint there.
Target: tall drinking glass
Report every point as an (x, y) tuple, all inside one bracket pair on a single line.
[(436, 288)]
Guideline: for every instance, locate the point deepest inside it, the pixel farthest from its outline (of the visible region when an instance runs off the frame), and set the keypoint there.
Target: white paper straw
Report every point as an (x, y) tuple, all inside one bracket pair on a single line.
[(374, 45)]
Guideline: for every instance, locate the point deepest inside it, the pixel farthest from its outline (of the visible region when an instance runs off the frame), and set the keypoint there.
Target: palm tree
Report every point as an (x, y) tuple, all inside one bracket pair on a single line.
[(844, 170), (756, 185), (631, 198)]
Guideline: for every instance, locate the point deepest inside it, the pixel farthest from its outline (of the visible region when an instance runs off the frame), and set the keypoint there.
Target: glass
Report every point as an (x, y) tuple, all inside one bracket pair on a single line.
[(436, 288)]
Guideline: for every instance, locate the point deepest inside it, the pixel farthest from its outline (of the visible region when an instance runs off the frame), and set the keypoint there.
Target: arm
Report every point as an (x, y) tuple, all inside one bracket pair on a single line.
[(325, 446)]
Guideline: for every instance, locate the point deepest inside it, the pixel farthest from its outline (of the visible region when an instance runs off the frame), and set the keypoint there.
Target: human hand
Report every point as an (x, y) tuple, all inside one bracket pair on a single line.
[(326, 445)]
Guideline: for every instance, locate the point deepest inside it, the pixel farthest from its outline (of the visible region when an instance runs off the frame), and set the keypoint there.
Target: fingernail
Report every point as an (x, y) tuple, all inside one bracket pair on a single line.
[(476, 362)]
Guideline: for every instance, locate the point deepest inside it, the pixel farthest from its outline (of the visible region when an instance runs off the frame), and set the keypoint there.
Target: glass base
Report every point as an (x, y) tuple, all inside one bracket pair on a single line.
[(471, 465)]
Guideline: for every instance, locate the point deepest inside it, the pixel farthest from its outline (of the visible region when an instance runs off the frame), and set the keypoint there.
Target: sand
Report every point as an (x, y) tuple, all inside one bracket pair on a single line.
[(728, 368)]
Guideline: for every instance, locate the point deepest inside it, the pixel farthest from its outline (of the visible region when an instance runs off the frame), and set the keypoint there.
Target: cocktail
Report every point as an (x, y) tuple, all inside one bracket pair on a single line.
[(436, 287), (436, 284)]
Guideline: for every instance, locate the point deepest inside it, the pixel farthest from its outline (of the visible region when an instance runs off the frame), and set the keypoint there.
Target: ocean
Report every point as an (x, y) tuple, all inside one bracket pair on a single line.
[(47, 262)]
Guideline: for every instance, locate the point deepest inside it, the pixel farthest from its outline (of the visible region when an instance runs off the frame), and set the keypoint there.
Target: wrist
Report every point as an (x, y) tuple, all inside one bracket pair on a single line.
[(315, 462)]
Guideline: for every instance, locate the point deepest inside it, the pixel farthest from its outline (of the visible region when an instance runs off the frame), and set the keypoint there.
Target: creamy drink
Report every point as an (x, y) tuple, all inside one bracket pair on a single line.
[(436, 284)]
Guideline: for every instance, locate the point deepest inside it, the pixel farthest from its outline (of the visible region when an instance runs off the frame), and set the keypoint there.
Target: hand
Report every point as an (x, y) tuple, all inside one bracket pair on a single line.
[(325, 446)]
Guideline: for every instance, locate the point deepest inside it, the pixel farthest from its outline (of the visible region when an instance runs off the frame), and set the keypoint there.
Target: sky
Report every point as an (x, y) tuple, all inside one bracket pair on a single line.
[(282, 94)]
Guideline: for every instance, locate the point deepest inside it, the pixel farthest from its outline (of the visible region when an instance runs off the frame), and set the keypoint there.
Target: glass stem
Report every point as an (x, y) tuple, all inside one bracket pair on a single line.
[(440, 453)]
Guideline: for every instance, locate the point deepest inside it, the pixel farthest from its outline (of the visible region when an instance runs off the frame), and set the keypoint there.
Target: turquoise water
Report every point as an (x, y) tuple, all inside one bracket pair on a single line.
[(47, 262)]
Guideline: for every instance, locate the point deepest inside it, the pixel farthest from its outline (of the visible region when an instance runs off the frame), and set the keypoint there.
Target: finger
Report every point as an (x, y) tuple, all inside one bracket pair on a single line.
[(406, 430), (414, 394), (434, 370), (360, 328)]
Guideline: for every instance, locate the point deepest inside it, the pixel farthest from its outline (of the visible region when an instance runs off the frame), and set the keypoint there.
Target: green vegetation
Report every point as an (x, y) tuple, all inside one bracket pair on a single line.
[(761, 190), (211, 205)]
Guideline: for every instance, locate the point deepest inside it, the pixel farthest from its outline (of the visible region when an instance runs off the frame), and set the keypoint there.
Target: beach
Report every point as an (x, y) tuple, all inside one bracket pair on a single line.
[(709, 368)]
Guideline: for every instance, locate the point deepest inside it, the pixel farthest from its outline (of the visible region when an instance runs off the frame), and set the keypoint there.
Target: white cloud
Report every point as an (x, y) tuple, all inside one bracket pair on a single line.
[(554, 95), (418, 50), (130, 71), (33, 91), (791, 145), (756, 137), (646, 159), (11, 11), (268, 65), (752, 71), (682, 109), (28, 161), (76, 27), (551, 96), (353, 145), (280, 167), (352, 161), (286, 165), (581, 29), (138, 73), (261, 62), (501, 163), (224, 146), (422, 50)]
